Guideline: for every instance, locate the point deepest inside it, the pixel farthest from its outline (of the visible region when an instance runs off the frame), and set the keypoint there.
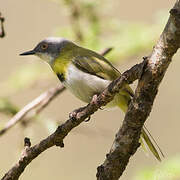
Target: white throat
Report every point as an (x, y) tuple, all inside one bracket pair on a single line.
[(46, 57)]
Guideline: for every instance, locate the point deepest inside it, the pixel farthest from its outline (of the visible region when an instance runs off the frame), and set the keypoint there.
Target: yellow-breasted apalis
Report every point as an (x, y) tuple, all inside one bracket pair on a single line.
[(86, 73)]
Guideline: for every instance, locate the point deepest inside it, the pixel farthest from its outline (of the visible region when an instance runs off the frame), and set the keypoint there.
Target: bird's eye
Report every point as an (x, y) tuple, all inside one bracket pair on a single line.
[(44, 46)]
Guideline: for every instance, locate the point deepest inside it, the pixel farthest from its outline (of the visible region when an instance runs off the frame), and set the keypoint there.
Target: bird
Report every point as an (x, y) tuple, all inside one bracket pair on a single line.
[(86, 73)]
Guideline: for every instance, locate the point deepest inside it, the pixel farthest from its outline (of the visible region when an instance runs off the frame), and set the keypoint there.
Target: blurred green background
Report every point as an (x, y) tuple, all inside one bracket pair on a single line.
[(131, 28)]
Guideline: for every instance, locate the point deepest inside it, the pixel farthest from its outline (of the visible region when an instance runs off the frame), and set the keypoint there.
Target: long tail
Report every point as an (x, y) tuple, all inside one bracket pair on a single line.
[(154, 148), (146, 137)]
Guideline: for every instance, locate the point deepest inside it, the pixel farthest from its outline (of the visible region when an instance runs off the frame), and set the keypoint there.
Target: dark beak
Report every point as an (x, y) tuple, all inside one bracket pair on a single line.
[(28, 53)]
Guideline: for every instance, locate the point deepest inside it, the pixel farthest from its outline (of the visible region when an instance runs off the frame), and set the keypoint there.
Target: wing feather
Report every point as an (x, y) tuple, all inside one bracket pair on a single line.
[(97, 65)]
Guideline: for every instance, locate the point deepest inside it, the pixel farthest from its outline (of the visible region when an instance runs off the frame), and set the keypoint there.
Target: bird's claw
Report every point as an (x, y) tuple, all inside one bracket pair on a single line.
[(94, 101), (73, 115)]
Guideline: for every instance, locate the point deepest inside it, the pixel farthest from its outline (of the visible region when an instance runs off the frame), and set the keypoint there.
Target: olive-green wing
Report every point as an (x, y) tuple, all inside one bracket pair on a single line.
[(96, 65)]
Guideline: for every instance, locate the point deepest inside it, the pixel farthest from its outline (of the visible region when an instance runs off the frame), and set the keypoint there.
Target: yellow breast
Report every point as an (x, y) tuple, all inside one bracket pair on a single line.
[(60, 66)]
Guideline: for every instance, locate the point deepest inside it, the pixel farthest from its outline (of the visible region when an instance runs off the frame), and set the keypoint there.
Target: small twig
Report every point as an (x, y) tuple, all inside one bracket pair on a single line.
[(2, 31), (51, 94), (42, 101)]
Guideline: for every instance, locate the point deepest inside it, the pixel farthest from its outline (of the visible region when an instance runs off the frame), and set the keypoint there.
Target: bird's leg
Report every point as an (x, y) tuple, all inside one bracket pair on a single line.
[(94, 100), (73, 115)]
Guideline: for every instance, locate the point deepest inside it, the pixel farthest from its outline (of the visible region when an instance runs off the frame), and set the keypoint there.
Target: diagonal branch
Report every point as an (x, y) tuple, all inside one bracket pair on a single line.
[(41, 102), (127, 139), (77, 117)]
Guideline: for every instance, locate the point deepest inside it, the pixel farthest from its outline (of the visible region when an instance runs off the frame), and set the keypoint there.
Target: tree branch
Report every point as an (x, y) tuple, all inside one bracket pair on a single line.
[(76, 117), (2, 31), (40, 103), (127, 139)]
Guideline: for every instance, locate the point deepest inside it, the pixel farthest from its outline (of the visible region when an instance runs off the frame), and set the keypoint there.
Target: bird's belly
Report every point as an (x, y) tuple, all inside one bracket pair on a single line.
[(84, 85)]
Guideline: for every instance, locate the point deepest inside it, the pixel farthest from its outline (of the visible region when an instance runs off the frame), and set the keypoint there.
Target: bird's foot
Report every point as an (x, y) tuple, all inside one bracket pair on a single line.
[(94, 101), (73, 115)]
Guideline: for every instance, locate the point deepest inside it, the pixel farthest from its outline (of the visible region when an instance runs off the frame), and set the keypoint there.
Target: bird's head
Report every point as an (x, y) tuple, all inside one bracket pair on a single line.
[(51, 48)]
